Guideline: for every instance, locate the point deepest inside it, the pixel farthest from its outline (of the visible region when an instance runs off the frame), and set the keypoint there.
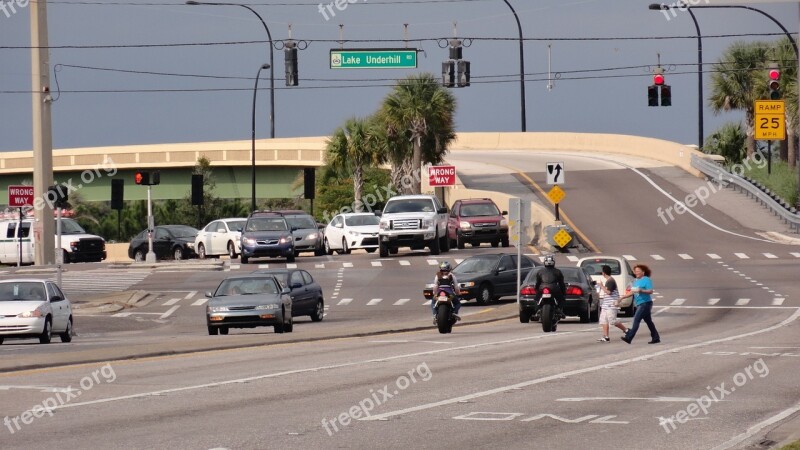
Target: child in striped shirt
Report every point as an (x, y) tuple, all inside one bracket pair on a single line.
[(609, 305)]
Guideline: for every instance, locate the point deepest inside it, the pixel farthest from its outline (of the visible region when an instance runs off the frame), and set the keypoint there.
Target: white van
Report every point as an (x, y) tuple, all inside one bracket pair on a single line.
[(76, 244)]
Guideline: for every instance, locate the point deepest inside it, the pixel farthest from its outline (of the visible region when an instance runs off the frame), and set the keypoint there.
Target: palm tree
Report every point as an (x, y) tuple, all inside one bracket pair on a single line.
[(739, 81), (351, 149), (422, 111), (728, 141)]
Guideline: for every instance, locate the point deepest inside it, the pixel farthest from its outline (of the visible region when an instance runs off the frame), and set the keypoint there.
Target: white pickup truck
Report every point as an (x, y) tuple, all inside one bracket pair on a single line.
[(414, 221)]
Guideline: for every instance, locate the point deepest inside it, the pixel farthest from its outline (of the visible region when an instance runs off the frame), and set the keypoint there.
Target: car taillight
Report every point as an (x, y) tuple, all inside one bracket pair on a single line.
[(527, 290), (574, 290), (546, 291)]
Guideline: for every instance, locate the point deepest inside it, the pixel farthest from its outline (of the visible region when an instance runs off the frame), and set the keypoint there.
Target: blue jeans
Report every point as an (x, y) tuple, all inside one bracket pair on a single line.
[(643, 312)]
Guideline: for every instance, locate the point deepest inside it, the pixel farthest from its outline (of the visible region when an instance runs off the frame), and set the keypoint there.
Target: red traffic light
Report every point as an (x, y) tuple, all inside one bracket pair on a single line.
[(658, 79), (138, 177), (774, 74)]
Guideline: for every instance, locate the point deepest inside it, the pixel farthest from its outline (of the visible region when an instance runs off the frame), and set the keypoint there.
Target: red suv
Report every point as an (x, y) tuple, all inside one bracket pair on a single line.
[(477, 220)]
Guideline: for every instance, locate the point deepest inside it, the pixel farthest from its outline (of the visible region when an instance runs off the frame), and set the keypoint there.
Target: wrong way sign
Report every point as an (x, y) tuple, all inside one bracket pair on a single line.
[(20, 196)]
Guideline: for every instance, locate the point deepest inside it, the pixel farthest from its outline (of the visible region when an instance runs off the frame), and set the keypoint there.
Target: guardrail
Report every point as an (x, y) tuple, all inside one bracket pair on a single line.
[(719, 174)]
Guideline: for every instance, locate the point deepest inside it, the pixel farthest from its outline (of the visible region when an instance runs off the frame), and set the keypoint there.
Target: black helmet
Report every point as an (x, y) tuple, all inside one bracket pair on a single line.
[(444, 266), (549, 261)]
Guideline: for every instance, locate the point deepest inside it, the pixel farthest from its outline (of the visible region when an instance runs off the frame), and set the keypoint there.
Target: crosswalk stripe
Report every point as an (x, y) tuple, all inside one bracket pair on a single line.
[(263, 266), (171, 302), (742, 301), (190, 295), (572, 258), (169, 312), (402, 301), (345, 301), (741, 256), (777, 301), (713, 256), (374, 301), (770, 255), (319, 266), (403, 262), (291, 266), (235, 266), (795, 254), (458, 260), (713, 301), (376, 264), (685, 256), (629, 257), (427, 303), (678, 302), (432, 262), (200, 302), (657, 257), (347, 264)]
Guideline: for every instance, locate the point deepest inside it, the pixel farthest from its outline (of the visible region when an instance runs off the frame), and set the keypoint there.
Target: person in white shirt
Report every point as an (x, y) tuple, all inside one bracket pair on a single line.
[(609, 305)]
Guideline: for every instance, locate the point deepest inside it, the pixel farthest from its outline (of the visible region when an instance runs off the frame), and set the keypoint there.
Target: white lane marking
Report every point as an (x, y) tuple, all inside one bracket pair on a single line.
[(756, 429), (374, 301), (458, 260), (235, 266), (629, 257), (319, 266), (39, 388), (657, 257), (347, 264), (649, 399), (572, 258), (761, 348), (678, 302), (741, 256), (777, 301), (376, 264), (200, 302), (428, 303), (345, 301), (563, 375), (122, 314), (713, 301), (263, 266), (432, 262), (770, 255), (403, 262), (713, 256), (795, 254), (169, 312), (402, 301), (291, 266), (190, 295), (742, 301), (171, 302), (685, 256)]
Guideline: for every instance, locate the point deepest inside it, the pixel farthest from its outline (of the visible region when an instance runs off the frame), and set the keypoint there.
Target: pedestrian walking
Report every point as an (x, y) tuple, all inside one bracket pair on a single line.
[(642, 292), (610, 304)]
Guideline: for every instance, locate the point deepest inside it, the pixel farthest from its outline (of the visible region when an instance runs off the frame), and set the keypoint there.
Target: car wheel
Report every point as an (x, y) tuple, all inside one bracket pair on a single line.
[(319, 251), (434, 246), (223, 330), (245, 259), (47, 333), (485, 294), (459, 241), (290, 258), (280, 328), (328, 249), (394, 250), (445, 243), (504, 242), (201, 251), (139, 256), (66, 336), (232, 250), (319, 311), (524, 316), (289, 327), (585, 316), (212, 331), (495, 244), (595, 316), (345, 249), (177, 253), (384, 250)]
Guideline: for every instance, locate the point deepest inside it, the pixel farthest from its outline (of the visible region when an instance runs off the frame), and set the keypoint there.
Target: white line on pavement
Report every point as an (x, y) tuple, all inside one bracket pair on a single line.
[(657, 257), (403, 262), (190, 295), (319, 266), (678, 302), (235, 266), (347, 264), (291, 266), (171, 302), (402, 301), (742, 301), (376, 264), (374, 301), (200, 302), (629, 257), (432, 262), (741, 256), (770, 255), (169, 312), (685, 256), (458, 260), (795, 254), (713, 301), (713, 256), (345, 301), (263, 266), (777, 301), (572, 258)]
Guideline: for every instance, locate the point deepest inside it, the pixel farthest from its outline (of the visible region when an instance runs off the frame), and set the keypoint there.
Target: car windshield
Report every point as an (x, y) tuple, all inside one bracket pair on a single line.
[(358, 221), (571, 275), (409, 205), (475, 265), (236, 225), (595, 266), (301, 222), (69, 226), (479, 209), (21, 291), (247, 286), (183, 231), (266, 224)]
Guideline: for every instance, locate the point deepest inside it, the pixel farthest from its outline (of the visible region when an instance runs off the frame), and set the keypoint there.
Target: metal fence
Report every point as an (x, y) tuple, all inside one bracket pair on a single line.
[(719, 174)]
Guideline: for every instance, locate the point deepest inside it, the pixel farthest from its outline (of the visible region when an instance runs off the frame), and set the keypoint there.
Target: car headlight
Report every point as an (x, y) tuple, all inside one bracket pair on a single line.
[(312, 236), (384, 225), (464, 225), (263, 307), (468, 284), (504, 223), (214, 309), (35, 313), (285, 239), (249, 241), (427, 223), (354, 233)]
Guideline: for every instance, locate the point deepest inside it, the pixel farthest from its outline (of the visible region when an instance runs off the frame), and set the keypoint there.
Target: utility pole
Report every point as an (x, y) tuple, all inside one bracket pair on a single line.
[(44, 226)]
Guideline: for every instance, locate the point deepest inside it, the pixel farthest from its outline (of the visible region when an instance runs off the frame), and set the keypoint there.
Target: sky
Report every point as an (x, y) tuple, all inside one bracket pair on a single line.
[(182, 98)]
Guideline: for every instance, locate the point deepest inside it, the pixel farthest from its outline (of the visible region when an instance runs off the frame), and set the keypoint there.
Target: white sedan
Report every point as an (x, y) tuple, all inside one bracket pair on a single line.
[(31, 308), (620, 270), (220, 237), (350, 231)]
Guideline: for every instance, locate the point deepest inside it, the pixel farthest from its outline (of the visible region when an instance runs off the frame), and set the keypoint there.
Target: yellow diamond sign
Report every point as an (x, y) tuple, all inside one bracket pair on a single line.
[(556, 194), (562, 238)]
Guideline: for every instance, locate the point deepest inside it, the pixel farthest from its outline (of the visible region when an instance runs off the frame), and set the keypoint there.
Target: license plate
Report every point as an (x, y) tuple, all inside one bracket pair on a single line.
[(547, 295)]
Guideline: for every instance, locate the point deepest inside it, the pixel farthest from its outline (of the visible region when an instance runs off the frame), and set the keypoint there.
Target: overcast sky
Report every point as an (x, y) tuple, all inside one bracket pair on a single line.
[(611, 101)]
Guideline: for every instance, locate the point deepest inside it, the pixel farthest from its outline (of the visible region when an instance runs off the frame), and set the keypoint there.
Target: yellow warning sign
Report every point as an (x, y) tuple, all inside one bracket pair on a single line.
[(556, 194), (562, 238)]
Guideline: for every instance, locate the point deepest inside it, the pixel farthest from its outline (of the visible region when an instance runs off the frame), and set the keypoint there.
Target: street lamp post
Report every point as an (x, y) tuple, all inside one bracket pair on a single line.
[(521, 69), (253, 141), (700, 135), (271, 67)]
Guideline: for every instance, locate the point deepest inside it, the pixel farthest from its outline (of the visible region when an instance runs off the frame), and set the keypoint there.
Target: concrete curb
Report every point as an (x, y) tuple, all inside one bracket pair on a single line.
[(107, 304)]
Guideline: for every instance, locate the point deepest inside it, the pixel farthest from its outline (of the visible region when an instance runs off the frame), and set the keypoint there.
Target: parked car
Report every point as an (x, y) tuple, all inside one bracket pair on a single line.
[(220, 237), (307, 298), (307, 237), (169, 242), (76, 244), (477, 220), (249, 301), (31, 308), (352, 231), (414, 221), (267, 233), (489, 276), (581, 300), (620, 270)]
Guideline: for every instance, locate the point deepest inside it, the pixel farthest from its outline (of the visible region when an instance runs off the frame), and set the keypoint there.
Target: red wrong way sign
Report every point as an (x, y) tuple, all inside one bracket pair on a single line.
[(442, 176), (20, 196)]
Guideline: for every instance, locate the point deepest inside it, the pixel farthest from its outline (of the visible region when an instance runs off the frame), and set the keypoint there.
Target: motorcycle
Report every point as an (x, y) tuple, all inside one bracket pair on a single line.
[(547, 306), (445, 309)]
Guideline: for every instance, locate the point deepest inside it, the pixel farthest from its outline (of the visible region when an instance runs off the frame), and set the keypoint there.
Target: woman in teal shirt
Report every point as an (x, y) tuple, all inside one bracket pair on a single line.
[(642, 292)]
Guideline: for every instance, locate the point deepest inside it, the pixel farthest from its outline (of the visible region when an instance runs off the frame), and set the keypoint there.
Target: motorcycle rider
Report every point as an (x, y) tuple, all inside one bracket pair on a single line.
[(445, 278), (552, 278)]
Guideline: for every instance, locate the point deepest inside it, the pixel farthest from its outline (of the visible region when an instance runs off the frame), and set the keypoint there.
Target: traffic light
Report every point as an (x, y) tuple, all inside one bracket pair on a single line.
[(309, 179), (197, 189), (448, 74), (290, 60), (658, 88), (147, 178), (774, 84), (463, 73), (117, 193), (652, 95), (666, 95), (59, 195)]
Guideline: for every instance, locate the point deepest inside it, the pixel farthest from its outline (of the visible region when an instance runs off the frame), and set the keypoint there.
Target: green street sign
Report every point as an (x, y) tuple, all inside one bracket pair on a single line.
[(376, 58)]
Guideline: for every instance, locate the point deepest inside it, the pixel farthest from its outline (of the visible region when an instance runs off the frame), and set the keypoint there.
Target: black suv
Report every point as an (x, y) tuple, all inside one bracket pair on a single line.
[(267, 234)]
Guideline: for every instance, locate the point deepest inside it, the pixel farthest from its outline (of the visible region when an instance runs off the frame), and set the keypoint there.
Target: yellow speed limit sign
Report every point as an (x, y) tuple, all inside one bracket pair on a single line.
[(770, 120)]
